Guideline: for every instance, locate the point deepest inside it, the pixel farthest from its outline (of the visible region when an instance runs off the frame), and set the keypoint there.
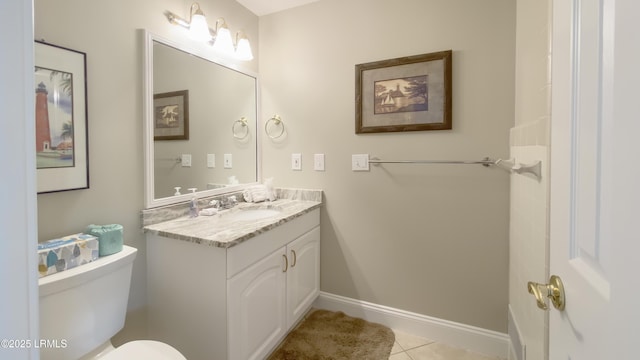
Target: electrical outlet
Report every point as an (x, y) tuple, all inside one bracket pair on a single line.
[(211, 160), (360, 162), (296, 161), (185, 160), (318, 162)]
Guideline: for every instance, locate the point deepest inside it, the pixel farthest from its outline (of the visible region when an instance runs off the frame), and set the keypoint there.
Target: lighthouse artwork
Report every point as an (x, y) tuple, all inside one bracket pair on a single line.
[(54, 118), (61, 118)]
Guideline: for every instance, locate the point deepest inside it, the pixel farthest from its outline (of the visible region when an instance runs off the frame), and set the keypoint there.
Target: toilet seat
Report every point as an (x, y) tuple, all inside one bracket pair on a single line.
[(144, 349)]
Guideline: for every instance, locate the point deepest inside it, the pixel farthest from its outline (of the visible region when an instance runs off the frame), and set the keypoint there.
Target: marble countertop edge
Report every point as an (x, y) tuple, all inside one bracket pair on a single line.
[(216, 231)]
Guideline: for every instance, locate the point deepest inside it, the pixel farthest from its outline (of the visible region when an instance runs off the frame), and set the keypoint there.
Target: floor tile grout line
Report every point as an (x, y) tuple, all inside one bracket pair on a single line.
[(427, 342), (415, 347)]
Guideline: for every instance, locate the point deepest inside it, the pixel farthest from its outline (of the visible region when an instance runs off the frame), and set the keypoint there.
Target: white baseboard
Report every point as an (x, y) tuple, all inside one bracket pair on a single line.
[(468, 337)]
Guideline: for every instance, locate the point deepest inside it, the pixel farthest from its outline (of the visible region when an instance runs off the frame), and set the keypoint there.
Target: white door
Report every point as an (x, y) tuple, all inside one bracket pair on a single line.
[(595, 181)]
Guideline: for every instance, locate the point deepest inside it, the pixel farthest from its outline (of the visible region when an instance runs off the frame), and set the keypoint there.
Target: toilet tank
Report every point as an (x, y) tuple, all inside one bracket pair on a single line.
[(83, 307)]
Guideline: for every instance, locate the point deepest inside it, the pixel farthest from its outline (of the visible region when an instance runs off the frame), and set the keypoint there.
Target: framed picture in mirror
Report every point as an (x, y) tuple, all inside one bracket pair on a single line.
[(410, 93), (171, 115), (62, 152)]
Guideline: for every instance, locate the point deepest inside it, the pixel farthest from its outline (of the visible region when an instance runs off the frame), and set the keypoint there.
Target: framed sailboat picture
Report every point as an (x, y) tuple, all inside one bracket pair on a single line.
[(171, 115), (404, 94), (60, 91)]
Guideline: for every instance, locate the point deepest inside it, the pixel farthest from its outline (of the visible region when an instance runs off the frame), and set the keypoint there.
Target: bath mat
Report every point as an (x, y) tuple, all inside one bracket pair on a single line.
[(325, 335)]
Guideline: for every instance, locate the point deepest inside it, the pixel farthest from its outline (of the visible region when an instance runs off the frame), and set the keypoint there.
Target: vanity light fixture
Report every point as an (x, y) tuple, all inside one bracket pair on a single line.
[(223, 42), (197, 24), (198, 27), (243, 49), (221, 39)]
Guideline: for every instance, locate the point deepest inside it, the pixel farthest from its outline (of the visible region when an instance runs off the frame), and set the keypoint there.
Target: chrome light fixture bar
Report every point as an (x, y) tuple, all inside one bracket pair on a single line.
[(220, 38)]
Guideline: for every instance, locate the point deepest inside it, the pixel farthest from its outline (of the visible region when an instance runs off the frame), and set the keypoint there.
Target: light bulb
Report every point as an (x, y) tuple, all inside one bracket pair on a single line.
[(198, 27), (243, 50), (223, 42)]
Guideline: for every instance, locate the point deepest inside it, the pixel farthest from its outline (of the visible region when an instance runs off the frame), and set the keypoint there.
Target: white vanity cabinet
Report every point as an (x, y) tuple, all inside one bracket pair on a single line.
[(233, 303), (303, 276), (269, 297)]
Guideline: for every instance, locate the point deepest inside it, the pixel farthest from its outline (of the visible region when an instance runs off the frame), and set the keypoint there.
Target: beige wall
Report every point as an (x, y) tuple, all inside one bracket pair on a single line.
[(427, 239), (529, 197), (107, 31), (431, 239)]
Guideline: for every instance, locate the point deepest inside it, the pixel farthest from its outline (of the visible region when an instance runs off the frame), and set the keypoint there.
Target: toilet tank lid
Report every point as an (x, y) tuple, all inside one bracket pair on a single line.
[(144, 349), (73, 277)]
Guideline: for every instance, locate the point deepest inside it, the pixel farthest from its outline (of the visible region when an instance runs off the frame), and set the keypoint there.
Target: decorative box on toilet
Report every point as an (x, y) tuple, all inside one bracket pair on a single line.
[(66, 253)]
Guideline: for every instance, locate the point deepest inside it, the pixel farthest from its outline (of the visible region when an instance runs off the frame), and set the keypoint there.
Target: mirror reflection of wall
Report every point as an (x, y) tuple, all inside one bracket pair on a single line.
[(217, 97)]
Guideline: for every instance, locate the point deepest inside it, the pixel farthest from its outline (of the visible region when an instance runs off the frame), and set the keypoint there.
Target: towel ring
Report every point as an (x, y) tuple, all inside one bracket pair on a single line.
[(243, 122), (277, 121)]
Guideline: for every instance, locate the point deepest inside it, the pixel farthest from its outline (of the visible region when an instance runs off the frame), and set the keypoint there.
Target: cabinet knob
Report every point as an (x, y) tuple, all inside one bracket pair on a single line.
[(295, 258), (286, 263)]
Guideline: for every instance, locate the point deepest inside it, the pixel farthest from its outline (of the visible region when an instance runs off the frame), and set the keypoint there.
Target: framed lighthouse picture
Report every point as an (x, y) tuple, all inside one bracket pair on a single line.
[(410, 93), (60, 90)]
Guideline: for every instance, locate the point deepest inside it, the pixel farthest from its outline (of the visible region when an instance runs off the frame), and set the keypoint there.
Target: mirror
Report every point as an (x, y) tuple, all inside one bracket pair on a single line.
[(200, 107)]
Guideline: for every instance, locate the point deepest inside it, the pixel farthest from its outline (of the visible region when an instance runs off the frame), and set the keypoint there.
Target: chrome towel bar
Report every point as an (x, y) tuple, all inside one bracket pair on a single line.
[(507, 165), (483, 162)]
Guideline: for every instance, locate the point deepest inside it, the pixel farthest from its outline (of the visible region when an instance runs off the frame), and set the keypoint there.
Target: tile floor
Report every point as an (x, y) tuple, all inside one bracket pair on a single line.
[(411, 347)]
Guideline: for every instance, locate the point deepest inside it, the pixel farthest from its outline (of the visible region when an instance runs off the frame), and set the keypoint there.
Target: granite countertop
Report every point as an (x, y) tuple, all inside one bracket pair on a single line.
[(221, 230)]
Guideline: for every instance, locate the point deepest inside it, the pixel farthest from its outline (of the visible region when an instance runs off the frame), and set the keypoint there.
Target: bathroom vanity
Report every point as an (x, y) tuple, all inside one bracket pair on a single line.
[(230, 286), (227, 286)]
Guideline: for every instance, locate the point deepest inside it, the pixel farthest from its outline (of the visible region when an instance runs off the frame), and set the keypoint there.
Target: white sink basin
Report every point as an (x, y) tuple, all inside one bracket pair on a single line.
[(252, 214)]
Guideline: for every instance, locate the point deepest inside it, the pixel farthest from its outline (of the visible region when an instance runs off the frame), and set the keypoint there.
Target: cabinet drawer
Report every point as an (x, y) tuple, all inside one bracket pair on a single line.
[(241, 256)]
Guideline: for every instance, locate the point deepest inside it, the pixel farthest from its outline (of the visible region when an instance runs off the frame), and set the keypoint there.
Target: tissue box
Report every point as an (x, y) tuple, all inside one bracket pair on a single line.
[(109, 238), (66, 253)]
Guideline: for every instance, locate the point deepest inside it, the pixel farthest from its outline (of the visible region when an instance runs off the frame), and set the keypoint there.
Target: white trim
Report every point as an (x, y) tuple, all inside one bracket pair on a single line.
[(468, 337), (18, 210), (517, 349)]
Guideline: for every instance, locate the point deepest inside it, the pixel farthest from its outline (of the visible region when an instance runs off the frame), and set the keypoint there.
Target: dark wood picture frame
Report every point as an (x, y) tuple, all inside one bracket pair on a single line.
[(410, 93), (171, 115)]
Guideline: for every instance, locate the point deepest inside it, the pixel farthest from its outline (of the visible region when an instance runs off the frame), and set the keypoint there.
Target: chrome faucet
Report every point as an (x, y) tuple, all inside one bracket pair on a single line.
[(224, 203)]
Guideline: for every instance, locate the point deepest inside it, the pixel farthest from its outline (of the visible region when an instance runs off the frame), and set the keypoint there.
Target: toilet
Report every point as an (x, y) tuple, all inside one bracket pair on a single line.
[(82, 308)]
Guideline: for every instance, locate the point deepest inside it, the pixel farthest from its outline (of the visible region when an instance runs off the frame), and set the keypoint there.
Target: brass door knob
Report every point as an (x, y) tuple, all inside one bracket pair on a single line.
[(554, 290)]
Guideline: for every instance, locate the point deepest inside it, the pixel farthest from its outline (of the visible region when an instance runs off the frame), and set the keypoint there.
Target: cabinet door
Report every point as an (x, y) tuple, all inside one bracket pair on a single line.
[(303, 276), (256, 300)]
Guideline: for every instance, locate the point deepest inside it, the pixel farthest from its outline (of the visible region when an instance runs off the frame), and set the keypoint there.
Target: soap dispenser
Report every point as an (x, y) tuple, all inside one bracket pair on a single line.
[(193, 205)]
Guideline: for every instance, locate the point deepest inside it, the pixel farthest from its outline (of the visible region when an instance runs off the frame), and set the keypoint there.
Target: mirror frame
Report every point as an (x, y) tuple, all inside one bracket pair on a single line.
[(147, 112)]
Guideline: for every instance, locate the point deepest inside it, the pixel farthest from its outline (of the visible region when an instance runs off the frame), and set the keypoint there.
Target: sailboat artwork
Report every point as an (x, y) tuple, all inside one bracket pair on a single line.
[(401, 95), (171, 115), (167, 116), (54, 118), (411, 93)]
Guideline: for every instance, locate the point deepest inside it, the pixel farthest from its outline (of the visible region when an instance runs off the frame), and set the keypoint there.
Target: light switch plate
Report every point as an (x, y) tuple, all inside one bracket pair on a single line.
[(186, 160), (360, 162), (318, 162), (211, 160), (228, 161), (296, 161)]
